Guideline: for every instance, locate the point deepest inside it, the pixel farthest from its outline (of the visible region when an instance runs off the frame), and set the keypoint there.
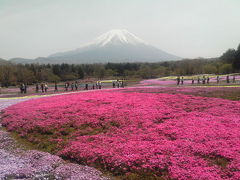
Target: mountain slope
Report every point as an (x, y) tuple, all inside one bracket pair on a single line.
[(3, 62), (113, 46), (21, 60)]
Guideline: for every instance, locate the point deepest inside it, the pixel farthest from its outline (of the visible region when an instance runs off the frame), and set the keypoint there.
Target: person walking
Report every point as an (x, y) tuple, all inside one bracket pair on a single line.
[(86, 86), (22, 88), (55, 87), (218, 79), (42, 87), (178, 80), (66, 86), (76, 85), (72, 86), (45, 87), (198, 80), (203, 80), (122, 84), (192, 80), (182, 80), (208, 79), (114, 85), (25, 88), (234, 79), (99, 84), (37, 88), (117, 83), (227, 78)]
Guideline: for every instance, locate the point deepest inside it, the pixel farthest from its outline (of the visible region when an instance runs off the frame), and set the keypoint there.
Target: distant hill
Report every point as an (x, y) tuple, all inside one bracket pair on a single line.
[(21, 60), (113, 46), (3, 62)]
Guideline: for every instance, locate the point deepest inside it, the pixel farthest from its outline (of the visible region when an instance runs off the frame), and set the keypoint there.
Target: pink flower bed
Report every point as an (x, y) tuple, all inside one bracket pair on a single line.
[(173, 136), (232, 93)]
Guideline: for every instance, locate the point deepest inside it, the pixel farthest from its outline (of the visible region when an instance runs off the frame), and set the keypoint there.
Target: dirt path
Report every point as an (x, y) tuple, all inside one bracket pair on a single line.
[(17, 163)]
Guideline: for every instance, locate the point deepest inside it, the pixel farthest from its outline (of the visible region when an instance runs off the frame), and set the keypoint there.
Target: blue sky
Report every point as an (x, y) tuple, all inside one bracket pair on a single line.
[(186, 28)]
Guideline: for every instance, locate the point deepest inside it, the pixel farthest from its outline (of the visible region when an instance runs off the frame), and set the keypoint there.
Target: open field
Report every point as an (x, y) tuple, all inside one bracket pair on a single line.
[(138, 133)]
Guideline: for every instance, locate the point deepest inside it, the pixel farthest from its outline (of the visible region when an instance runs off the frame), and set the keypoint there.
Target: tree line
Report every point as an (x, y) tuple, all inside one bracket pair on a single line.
[(13, 74)]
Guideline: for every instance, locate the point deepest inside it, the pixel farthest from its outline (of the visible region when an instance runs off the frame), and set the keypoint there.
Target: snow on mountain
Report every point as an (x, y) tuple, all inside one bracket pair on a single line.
[(116, 37), (117, 45)]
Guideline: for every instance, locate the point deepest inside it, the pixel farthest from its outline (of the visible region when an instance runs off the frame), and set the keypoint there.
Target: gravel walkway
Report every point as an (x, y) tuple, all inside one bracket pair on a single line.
[(17, 163)]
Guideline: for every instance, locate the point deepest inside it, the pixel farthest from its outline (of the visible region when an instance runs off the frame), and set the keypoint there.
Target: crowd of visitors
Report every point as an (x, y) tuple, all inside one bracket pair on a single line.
[(76, 86), (70, 86), (204, 80), (43, 87), (118, 84)]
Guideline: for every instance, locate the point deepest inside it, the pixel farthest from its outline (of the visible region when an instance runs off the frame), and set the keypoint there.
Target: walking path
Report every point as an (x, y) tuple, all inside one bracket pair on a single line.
[(18, 163)]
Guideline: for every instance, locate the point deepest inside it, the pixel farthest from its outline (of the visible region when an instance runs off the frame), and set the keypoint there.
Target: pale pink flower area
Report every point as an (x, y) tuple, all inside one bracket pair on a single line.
[(187, 81), (155, 82), (174, 136)]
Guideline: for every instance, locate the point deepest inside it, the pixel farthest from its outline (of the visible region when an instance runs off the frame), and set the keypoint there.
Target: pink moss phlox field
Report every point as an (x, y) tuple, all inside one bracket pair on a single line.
[(186, 136)]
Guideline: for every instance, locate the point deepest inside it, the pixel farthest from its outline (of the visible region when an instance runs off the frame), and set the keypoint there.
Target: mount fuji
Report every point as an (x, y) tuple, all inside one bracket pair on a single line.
[(115, 46)]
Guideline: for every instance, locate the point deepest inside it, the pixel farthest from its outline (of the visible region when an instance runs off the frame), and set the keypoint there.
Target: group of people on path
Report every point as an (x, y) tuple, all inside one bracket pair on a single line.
[(205, 80), (75, 86), (70, 86), (118, 84), (23, 88), (180, 80), (43, 87), (228, 79)]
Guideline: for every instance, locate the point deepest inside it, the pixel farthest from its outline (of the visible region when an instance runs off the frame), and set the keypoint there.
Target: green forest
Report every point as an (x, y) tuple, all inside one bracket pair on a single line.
[(13, 74)]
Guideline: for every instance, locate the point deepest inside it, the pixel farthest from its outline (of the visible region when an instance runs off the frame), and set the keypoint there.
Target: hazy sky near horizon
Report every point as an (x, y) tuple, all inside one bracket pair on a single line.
[(186, 28)]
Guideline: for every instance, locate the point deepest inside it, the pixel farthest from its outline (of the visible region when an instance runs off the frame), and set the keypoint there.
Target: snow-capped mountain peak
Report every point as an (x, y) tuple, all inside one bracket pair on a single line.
[(117, 45), (118, 37)]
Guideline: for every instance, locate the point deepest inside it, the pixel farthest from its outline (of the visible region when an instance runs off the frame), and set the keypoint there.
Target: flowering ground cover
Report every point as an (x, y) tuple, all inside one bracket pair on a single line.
[(154, 82), (226, 92), (136, 134)]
